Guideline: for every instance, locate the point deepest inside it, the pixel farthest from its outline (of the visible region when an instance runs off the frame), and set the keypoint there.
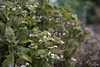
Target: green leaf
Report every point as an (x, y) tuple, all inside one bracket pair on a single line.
[(23, 50), (33, 47), (5, 63), (86, 32), (46, 64), (23, 33), (67, 56), (9, 34), (24, 40), (42, 53), (9, 62), (26, 57)]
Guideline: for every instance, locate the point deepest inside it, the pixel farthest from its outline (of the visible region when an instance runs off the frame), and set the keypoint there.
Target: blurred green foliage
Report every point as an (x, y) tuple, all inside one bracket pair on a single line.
[(80, 6)]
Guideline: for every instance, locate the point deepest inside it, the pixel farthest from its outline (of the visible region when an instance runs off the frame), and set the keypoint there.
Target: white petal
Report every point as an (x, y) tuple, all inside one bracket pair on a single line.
[(27, 64), (23, 66), (64, 34), (73, 59), (13, 9), (40, 40), (61, 56), (55, 46), (44, 37), (31, 44), (49, 53), (49, 33)]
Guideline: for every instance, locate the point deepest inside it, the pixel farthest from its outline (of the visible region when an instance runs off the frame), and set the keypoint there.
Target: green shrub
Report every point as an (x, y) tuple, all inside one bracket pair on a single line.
[(37, 35)]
